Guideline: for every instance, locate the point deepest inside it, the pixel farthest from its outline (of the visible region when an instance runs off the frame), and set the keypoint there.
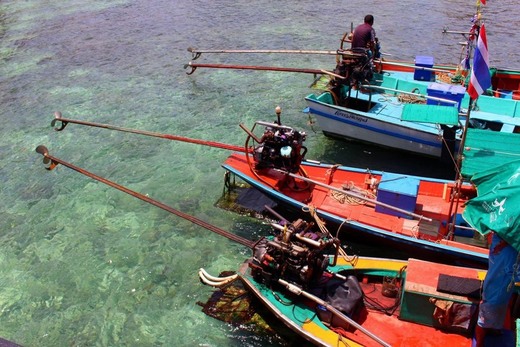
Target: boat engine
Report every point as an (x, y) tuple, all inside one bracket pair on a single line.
[(280, 147), (297, 255), (356, 66)]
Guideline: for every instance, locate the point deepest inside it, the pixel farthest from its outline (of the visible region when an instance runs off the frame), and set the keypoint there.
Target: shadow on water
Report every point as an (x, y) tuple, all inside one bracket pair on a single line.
[(248, 201), (355, 154), (237, 306)]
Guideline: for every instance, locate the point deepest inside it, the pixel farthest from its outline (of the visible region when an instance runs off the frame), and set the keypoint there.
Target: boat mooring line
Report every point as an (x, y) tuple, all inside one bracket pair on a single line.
[(53, 161)]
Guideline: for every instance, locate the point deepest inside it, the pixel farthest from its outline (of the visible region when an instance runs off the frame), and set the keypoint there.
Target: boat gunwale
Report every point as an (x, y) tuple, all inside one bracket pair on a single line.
[(410, 241)]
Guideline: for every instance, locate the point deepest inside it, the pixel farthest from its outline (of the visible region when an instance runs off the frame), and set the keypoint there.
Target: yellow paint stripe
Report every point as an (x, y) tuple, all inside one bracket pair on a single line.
[(328, 336), (374, 263)]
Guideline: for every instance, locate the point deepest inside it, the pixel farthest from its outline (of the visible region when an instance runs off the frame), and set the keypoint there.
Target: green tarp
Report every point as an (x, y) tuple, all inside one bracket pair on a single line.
[(424, 113), (497, 206), (485, 149)]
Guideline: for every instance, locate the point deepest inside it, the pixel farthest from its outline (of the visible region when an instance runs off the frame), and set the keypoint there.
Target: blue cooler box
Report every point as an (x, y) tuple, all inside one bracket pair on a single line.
[(446, 91), (421, 74), (398, 191)]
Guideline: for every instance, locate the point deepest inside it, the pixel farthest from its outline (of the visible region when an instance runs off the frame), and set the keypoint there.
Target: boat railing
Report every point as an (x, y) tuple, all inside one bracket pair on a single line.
[(411, 93)]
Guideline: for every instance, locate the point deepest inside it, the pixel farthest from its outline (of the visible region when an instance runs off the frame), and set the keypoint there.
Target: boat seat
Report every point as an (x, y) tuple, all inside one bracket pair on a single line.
[(495, 117), (422, 229), (409, 86), (422, 283), (420, 294), (501, 106), (324, 97), (469, 287), (508, 128), (389, 82)]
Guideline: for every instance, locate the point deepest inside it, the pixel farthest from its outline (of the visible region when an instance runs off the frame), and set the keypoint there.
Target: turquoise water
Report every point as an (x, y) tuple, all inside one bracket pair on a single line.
[(82, 264)]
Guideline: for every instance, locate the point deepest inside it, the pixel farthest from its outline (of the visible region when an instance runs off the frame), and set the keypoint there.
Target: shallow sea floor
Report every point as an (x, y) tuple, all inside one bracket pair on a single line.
[(82, 264)]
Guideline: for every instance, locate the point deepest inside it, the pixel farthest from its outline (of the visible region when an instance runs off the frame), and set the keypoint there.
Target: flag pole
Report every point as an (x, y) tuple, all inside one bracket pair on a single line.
[(458, 166), (480, 81), (463, 139), (459, 179)]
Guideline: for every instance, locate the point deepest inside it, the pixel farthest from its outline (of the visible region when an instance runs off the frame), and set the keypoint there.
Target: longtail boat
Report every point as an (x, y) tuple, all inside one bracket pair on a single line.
[(403, 109), (391, 302), (417, 215), (414, 107), (418, 107), (329, 298), (341, 300)]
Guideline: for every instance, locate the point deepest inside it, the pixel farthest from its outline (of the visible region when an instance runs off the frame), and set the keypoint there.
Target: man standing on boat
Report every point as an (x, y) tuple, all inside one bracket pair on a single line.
[(356, 64), (496, 210), (498, 288), (364, 36)]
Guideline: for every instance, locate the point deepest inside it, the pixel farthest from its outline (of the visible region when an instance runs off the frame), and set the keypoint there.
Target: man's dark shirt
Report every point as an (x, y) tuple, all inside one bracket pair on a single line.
[(363, 34)]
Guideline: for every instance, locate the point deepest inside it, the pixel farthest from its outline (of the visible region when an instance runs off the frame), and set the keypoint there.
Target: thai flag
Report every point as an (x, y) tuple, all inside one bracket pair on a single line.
[(480, 77)]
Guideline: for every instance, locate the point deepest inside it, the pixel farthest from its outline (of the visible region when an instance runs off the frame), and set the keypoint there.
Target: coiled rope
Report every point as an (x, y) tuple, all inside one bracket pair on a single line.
[(321, 225), (411, 99), (450, 78), (346, 199)]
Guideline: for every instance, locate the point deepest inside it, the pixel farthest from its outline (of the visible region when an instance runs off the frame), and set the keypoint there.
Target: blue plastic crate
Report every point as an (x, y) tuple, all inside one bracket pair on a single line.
[(453, 92), (421, 74), (398, 191)]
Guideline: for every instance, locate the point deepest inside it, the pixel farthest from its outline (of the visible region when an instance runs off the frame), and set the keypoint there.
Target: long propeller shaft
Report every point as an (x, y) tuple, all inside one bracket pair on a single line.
[(64, 121), (194, 66), (53, 161), (198, 52)]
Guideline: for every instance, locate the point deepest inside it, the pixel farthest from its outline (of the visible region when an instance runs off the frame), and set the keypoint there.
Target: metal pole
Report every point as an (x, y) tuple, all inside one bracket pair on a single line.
[(410, 93), (55, 161), (298, 291), (413, 66), (65, 121), (358, 196), (283, 51), (251, 67)]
